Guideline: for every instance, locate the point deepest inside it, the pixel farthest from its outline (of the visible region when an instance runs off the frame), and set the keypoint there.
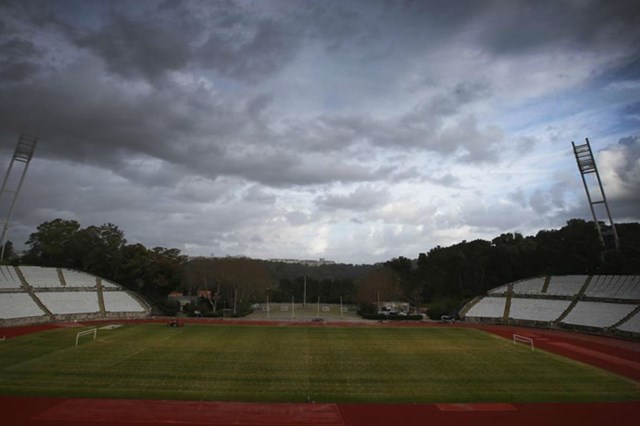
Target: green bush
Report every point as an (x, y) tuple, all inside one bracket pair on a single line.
[(442, 307), (390, 317)]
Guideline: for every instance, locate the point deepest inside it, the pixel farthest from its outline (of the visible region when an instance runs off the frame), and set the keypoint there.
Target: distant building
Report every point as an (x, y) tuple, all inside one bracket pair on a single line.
[(306, 262), (394, 308), (181, 298)]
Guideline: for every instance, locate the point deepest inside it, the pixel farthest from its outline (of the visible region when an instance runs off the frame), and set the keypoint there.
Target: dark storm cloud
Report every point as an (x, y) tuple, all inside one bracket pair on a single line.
[(17, 59), (424, 127), (267, 47), (222, 37), (363, 198), (626, 171), (86, 120), (519, 28), (139, 48), (243, 118)]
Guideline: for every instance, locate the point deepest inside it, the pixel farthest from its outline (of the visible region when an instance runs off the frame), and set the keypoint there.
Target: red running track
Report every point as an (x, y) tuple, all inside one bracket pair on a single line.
[(619, 356)]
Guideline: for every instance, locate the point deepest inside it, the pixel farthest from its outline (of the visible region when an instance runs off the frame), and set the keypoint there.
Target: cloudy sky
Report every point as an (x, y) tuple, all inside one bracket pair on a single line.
[(351, 130)]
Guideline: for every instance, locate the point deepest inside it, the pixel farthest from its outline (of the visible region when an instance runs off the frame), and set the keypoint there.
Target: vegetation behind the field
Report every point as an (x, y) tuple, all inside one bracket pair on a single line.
[(295, 363), (442, 278)]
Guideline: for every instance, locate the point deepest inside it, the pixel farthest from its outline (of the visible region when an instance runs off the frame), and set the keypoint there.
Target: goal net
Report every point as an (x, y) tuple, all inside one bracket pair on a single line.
[(523, 339), (93, 331)]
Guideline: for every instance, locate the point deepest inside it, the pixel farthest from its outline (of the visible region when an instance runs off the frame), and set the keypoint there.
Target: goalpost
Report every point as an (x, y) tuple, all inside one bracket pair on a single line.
[(93, 331), (523, 339)]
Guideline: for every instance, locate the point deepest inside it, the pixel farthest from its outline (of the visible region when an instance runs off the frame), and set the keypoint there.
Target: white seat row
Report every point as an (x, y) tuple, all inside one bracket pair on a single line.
[(498, 290), (615, 286), (632, 324), (530, 286), (70, 302), (18, 305), (537, 309), (527, 286), (78, 279), (488, 307), (8, 277), (37, 276), (109, 284), (598, 314), (602, 286), (565, 285), (120, 301)]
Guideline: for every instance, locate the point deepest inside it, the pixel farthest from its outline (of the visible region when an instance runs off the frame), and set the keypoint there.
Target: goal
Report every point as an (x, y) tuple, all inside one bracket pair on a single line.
[(93, 331), (523, 339)]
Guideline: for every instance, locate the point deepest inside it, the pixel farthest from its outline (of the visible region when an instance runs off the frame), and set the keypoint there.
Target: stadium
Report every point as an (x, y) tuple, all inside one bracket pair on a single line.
[(405, 168), (82, 350)]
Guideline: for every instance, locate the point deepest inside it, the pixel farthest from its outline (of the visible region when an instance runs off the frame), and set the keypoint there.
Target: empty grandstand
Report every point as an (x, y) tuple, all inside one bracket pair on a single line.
[(8, 278), (33, 294), (544, 310), (607, 304), (37, 276)]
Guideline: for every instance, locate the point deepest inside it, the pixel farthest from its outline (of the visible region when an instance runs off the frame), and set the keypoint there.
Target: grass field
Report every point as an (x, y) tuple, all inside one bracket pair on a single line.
[(291, 364)]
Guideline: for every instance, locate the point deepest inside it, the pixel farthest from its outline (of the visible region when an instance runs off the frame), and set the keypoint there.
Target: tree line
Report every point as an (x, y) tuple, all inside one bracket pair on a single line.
[(104, 251), (442, 278), (446, 277)]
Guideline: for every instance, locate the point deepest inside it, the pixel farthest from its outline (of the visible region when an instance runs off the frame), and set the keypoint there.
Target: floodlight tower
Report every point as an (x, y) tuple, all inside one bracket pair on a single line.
[(13, 181), (587, 165)]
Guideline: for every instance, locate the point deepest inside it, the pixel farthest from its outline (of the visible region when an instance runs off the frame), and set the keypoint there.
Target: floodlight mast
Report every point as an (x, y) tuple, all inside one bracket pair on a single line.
[(587, 165), (23, 153)]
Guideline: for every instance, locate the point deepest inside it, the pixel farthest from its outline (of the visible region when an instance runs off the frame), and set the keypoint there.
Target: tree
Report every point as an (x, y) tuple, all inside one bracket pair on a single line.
[(410, 281), (99, 250), (243, 280), (51, 243), (165, 270), (380, 285), (135, 266), (9, 253), (199, 275)]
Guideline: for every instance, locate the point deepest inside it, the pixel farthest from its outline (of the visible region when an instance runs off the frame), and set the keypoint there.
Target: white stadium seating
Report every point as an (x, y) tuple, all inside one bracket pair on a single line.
[(498, 290), (632, 324), (537, 309), (614, 287), (598, 314), (37, 276), (579, 302), (18, 305), (70, 302), (8, 277), (62, 293), (488, 307), (78, 279), (531, 286), (120, 301), (109, 284), (565, 285)]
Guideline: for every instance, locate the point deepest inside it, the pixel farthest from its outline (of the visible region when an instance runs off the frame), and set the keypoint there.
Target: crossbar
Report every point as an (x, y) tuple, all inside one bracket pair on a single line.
[(523, 339), (84, 333)]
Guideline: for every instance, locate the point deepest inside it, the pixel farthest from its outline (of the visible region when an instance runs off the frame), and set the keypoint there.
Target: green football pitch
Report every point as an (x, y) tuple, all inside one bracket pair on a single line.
[(295, 363)]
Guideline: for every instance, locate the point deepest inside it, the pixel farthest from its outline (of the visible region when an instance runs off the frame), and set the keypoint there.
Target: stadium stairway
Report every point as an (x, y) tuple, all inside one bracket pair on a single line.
[(507, 304), (103, 310), (61, 277), (469, 305), (626, 317), (575, 300), (21, 277), (38, 302)]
